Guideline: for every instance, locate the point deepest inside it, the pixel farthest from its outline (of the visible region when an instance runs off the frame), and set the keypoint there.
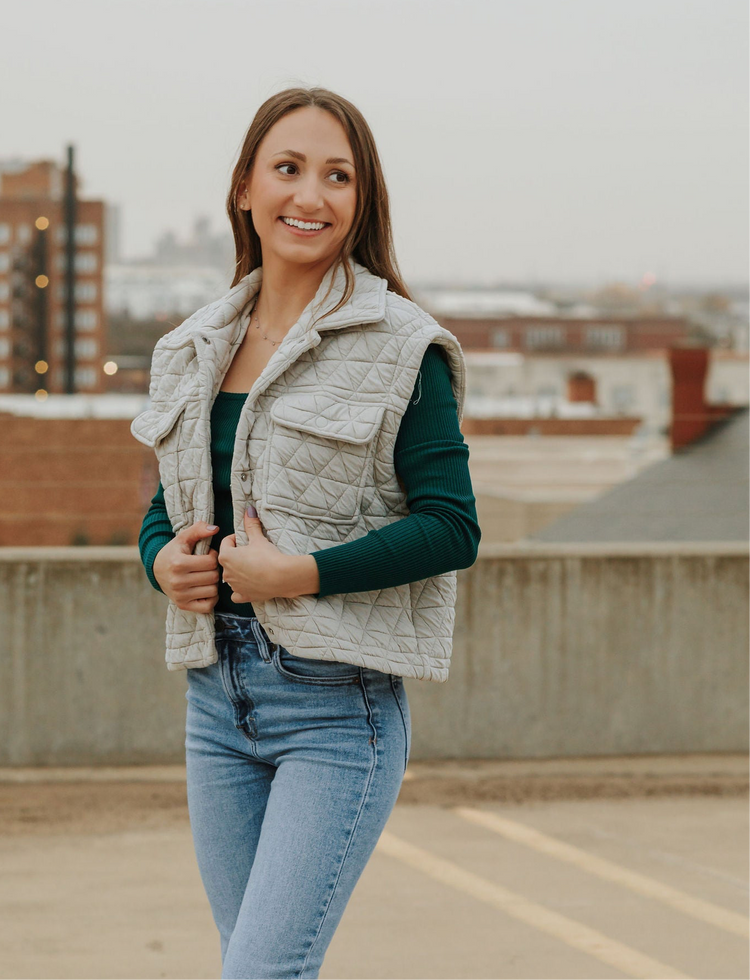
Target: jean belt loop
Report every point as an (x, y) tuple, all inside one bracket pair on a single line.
[(261, 640)]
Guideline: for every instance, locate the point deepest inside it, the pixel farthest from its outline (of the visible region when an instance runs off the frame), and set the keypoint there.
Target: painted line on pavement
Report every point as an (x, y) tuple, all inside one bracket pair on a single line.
[(520, 833), (569, 931)]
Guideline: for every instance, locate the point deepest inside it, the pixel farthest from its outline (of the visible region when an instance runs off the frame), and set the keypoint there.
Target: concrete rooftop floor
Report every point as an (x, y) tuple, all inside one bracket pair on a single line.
[(100, 878)]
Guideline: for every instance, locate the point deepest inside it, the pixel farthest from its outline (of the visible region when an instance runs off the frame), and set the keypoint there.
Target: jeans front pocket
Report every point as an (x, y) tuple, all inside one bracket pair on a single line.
[(307, 671)]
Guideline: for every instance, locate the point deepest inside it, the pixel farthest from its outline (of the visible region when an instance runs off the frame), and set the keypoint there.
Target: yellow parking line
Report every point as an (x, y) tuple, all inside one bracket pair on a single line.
[(575, 934), (522, 834)]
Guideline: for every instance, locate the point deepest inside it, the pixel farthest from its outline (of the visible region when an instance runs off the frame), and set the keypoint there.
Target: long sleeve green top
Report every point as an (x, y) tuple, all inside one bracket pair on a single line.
[(440, 533)]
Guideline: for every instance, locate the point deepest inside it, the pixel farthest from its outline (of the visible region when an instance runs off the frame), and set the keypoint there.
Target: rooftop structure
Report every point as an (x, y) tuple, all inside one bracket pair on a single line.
[(34, 348)]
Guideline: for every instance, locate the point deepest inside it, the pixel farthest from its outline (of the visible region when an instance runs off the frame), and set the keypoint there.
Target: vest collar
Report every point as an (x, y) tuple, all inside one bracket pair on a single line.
[(220, 319)]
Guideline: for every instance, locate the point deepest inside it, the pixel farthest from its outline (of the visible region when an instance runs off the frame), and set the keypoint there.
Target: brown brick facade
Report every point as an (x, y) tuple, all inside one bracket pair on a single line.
[(605, 335), (32, 327), (72, 481)]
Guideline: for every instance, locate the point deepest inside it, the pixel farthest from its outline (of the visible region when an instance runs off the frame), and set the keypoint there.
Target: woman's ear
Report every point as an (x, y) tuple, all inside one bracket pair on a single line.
[(242, 202)]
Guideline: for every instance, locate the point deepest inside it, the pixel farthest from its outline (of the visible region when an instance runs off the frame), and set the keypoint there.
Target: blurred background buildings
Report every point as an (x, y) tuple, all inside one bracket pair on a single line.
[(571, 391), (568, 187)]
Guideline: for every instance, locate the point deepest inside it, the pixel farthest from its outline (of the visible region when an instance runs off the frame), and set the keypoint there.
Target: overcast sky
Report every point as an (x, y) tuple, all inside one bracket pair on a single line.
[(551, 140)]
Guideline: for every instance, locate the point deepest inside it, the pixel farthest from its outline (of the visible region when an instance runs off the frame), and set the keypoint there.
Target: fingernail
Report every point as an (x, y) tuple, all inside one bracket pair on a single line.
[(212, 527), (251, 511)]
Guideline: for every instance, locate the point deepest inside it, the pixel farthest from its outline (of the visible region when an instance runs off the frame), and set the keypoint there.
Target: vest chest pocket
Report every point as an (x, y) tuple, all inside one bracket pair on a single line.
[(154, 425), (319, 455)]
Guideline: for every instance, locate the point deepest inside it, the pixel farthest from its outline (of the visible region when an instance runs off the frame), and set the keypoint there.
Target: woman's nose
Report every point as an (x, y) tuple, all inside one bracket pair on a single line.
[(308, 195)]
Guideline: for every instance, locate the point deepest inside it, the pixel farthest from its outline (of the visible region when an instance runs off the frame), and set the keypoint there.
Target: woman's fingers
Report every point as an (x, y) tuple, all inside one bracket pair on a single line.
[(196, 579), (199, 592), (199, 605)]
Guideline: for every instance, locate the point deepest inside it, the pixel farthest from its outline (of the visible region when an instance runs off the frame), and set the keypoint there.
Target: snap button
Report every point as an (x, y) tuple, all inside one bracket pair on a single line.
[(320, 423), (205, 340), (243, 477), (269, 630)]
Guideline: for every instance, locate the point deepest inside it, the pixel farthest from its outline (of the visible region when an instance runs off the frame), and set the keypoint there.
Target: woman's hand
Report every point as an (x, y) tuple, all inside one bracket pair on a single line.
[(189, 580), (258, 571)]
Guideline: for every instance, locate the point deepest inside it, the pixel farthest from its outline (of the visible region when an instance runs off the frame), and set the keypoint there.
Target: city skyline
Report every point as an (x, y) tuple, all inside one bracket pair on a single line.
[(598, 142)]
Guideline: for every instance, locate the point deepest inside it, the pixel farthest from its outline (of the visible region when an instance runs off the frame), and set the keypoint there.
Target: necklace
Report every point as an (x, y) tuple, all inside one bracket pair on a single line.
[(258, 328)]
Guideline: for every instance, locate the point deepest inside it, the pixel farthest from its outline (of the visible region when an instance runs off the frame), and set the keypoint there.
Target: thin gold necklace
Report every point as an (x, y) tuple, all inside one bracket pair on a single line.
[(258, 327)]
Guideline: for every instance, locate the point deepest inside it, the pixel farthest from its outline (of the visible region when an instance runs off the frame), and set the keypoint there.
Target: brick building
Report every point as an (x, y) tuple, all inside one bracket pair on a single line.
[(72, 481), (532, 334), (32, 282)]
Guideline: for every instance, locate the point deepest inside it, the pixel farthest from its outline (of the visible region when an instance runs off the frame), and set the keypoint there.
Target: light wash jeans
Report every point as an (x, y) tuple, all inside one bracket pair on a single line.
[(293, 768)]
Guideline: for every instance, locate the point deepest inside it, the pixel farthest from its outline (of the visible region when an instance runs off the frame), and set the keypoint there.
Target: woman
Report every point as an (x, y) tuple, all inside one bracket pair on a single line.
[(314, 505)]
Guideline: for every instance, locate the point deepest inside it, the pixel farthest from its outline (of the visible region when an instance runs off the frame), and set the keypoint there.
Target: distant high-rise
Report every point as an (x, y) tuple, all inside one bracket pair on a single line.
[(32, 282), (112, 251)]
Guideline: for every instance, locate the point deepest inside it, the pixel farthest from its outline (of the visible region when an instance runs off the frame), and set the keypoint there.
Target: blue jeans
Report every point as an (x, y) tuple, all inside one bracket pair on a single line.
[(293, 768)]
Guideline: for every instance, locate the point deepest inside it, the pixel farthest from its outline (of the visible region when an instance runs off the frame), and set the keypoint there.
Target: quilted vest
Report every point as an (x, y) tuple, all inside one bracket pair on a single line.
[(314, 454)]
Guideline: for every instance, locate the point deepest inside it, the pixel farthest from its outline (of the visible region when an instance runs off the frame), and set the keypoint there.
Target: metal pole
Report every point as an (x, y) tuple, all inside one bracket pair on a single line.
[(40, 269), (70, 275)]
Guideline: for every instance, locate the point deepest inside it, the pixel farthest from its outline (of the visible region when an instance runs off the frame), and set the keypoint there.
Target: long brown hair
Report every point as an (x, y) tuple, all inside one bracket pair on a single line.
[(370, 240)]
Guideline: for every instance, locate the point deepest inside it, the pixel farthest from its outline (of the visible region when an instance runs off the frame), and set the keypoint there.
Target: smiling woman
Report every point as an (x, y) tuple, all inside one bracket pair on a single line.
[(308, 193), (314, 505)]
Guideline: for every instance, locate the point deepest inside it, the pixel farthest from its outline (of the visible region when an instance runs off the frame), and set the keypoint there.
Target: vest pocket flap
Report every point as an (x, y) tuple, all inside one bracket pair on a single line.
[(332, 418), (151, 426)]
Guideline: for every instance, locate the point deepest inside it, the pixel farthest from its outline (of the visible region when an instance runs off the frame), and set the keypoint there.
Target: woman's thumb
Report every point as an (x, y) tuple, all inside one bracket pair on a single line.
[(195, 532), (252, 524)]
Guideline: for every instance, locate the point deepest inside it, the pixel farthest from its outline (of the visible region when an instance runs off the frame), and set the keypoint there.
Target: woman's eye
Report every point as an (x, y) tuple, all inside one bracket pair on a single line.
[(340, 173)]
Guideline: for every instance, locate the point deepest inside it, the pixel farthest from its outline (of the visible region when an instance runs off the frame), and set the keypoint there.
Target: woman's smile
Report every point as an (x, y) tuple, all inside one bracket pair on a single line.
[(306, 229)]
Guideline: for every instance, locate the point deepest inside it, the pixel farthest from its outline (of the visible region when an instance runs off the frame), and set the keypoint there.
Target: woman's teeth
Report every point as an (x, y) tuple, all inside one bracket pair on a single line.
[(304, 225)]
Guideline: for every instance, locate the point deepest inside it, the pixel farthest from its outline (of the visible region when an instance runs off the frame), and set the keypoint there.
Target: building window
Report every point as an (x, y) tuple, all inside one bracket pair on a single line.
[(4, 233), (85, 377), (84, 234), (605, 336), (4, 377), (85, 262), (23, 234), (499, 337), (4, 347), (544, 337), (4, 261), (85, 292), (85, 320), (4, 319), (4, 291), (86, 348)]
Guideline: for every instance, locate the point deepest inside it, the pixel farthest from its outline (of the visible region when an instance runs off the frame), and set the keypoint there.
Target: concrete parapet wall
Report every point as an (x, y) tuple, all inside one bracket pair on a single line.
[(82, 677), (560, 650)]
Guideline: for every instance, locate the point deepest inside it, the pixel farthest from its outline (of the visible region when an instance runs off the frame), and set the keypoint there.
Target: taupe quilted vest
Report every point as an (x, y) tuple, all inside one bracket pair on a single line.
[(314, 454)]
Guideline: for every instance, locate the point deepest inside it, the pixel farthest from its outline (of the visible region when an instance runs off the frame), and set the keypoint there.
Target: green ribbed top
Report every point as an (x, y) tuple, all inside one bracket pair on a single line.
[(431, 458)]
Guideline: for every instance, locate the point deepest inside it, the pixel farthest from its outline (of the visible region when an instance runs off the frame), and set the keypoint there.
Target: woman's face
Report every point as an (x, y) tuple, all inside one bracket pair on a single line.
[(303, 169)]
